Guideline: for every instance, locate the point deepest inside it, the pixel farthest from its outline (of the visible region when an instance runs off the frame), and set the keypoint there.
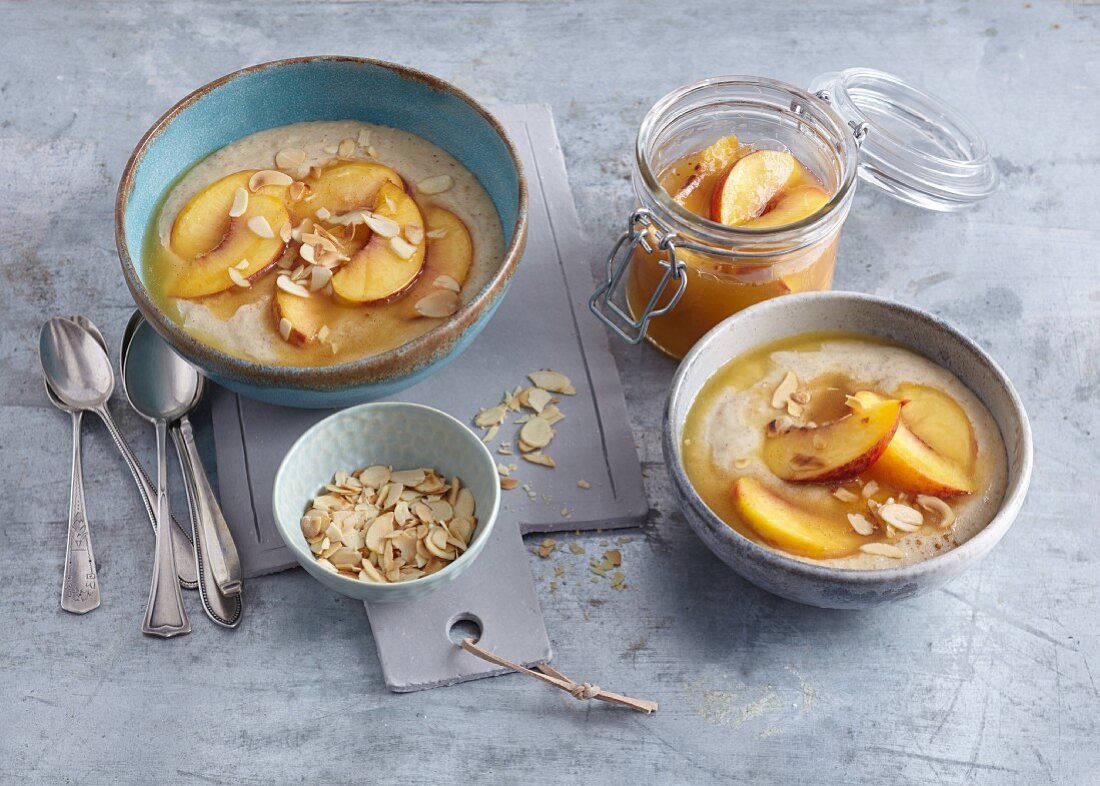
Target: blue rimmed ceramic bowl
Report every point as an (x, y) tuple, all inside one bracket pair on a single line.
[(402, 436), (323, 88)]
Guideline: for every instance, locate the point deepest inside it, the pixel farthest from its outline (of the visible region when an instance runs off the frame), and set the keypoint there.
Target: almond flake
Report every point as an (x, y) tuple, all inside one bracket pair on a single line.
[(435, 185), (290, 158), (882, 550), (447, 282), (240, 203), (439, 304), (380, 225), (268, 177), (783, 393), (402, 247), (259, 227), (553, 381), (284, 283), (236, 277)]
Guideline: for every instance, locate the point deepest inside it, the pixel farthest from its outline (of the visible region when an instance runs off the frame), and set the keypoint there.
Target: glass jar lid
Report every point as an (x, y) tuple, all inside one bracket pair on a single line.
[(914, 146)]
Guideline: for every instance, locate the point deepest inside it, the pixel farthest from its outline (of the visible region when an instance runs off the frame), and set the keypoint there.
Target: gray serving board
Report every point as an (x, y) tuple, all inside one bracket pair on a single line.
[(543, 323)]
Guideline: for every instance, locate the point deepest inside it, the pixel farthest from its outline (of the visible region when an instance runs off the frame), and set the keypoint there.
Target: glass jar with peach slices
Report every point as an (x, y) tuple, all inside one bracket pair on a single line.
[(840, 447), (743, 184), (348, 260)]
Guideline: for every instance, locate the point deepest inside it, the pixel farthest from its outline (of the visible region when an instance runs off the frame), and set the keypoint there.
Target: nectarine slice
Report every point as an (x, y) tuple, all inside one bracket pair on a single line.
[(386, 266), (249, 245), (343, 188), (204, 221), (940, 422), (301, 313), (451, 250), (819, 534), (789, 207), (836, 451), (910, 464), (751, 184)]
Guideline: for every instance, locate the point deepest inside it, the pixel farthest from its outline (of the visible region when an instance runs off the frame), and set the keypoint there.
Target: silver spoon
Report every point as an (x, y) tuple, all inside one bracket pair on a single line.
[(181, 544), (79, 584), (160, 387), (207, 521)]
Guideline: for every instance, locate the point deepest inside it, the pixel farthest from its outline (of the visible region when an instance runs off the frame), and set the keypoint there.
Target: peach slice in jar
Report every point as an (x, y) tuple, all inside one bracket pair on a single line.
[(836, 451), (786, 525), (389, 263)]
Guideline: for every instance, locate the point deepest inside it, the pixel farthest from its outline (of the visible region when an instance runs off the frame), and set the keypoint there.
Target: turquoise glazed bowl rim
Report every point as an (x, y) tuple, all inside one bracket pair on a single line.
[(402, 361), (997, 394), (405, 590)]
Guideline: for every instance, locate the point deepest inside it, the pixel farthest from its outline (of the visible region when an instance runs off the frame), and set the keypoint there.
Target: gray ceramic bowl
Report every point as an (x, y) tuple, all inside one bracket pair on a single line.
[(403, 436), (820, 585)]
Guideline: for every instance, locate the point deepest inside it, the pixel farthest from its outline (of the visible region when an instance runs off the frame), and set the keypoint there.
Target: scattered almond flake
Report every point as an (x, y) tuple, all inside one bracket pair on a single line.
[(284, 283), (268, 177), (584, 484), (319, 277), (576, 548), (402, 247), (323, 333), (546, 548), (536, 399), (538, 457), (236, 277), (552, 381), (284, 328), (285, 232), (414, 233), (381, 225), (883, 550), (439, 304), (537, 433), (946, 516), (900, 516), (860, 523), (447, 282), (297, 190), (436, 234), (322, 213), (290, 158), (240, 203), (508, 483), (258, 226), (435, 185), (844, 495), (346, 148), (741, 463), (870, 489)]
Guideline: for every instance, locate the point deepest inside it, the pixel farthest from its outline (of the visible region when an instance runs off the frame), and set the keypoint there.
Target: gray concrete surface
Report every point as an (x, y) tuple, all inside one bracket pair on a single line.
[(992, 680)]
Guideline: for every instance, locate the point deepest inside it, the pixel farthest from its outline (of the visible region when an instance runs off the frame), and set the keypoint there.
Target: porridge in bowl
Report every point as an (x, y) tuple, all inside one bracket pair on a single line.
[(320, 243), (842, 449)]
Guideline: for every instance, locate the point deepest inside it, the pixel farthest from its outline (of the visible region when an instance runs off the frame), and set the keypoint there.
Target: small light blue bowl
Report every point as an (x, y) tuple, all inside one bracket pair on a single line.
[(323, 88), (402, 436)]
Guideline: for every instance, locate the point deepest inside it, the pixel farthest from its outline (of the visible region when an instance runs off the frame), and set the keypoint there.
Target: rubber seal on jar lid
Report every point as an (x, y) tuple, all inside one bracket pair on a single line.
[(913, 146)]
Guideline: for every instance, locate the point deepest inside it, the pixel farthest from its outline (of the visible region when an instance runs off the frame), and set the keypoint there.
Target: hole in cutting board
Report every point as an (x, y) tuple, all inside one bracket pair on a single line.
[(464, 626)]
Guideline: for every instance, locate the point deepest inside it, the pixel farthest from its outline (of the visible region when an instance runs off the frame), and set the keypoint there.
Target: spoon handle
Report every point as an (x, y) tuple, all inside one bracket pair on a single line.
[(164, 614), (224, 561), (222, 609), (79, 587), (181, 543)]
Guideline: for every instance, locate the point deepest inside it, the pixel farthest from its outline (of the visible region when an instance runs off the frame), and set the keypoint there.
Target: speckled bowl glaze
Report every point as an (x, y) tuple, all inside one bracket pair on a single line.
[(403, 436), (821, 585), (323, 88)]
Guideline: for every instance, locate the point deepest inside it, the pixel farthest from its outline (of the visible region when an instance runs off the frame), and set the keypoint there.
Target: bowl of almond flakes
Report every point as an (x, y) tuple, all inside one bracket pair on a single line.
[(386, 501)]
